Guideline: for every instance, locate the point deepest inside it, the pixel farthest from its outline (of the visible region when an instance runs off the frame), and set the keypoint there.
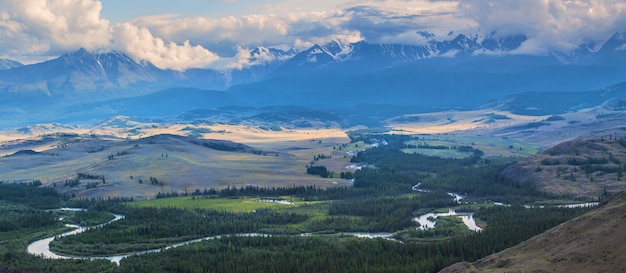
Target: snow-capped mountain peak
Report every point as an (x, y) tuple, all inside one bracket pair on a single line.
[(335, 50), (338, 50), (616, 42)]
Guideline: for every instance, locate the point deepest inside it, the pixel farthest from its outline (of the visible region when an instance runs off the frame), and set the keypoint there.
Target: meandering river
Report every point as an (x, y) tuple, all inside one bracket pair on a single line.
[(426, 221), (42, 247)]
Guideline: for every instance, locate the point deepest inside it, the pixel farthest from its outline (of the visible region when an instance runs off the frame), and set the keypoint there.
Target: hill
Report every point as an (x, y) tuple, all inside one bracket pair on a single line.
[(90, 165), (589, 243), (583, 169)]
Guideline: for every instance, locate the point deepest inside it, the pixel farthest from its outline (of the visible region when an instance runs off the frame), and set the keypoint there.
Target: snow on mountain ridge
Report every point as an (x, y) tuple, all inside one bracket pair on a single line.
[(8, 64), (404, 53), (336, 50)]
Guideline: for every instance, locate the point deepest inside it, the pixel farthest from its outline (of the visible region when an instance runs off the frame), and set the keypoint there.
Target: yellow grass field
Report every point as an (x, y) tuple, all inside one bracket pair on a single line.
[(221, 204)]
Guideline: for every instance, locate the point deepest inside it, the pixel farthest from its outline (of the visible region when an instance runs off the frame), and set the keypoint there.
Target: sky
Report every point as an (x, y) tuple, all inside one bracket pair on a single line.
[(186, 34)]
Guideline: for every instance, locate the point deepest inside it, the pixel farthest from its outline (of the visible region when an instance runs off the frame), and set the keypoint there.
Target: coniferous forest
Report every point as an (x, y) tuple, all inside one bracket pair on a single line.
[(316, 235)]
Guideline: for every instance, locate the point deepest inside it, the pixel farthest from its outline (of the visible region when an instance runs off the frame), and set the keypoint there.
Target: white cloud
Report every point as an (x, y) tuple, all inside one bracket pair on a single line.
[(237, 35), (40, 28), (550, 25), (35, 29), (142, 45), (555, 25), (250, 30), (394, 25), (31, 27)]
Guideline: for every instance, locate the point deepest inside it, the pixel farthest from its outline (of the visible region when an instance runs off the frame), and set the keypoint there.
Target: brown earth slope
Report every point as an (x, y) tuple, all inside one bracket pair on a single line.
[(582, 169), (594, 242)]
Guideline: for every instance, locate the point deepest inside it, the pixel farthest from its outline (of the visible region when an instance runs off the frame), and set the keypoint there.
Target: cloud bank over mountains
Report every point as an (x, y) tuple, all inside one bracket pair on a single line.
[(36, 30)]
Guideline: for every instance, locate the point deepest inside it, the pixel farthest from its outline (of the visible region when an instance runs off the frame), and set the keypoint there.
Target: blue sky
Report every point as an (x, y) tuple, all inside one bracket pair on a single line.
[(124, 10), (183, 34)]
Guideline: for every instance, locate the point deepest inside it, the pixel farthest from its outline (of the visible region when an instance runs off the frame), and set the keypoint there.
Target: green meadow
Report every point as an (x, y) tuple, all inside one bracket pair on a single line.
[(242, 204)]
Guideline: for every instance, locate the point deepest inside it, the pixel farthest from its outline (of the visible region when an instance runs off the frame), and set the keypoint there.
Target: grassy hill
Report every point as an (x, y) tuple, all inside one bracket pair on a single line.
[(582, 169), (593, 242), (92, 165)]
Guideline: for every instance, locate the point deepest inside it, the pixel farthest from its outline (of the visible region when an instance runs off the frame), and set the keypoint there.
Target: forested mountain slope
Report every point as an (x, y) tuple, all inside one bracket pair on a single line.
[(593, 242)]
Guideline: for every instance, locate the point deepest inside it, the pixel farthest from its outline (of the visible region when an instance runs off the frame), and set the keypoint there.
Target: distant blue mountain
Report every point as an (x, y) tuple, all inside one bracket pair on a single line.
[(194, 104), (79, 74), (92, 76), (164, 103), (554, 103), (459, 71)]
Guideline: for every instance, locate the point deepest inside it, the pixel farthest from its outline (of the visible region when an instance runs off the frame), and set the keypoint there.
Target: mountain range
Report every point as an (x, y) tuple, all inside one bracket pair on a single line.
[(460, 72)]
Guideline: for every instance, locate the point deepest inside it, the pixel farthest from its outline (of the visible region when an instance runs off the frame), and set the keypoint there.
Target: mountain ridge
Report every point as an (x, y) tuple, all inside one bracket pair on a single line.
[(8, 64)]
